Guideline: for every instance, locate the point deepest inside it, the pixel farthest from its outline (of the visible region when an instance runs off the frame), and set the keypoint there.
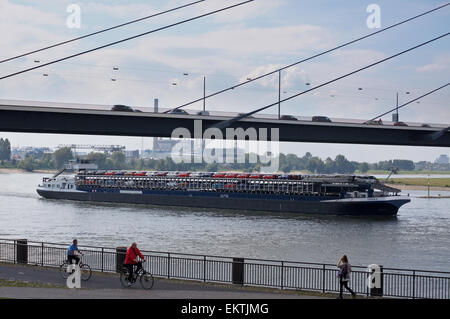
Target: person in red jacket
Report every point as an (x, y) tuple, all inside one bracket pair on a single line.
[(131, 259)]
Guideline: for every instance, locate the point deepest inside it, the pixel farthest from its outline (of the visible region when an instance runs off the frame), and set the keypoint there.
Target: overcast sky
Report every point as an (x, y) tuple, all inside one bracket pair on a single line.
[(227, 48)]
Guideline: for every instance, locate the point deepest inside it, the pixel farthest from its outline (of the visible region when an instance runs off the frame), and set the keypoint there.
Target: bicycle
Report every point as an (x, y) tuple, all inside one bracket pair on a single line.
[(85, 269), (146, 279)]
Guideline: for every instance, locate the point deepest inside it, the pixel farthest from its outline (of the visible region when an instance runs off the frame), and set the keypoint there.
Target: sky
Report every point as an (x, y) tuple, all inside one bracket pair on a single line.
[(227, 48)]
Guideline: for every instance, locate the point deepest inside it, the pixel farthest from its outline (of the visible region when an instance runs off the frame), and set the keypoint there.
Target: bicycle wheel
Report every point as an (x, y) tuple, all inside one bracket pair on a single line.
[(124, 274), (86, 272), (63, 270), (147, 281)]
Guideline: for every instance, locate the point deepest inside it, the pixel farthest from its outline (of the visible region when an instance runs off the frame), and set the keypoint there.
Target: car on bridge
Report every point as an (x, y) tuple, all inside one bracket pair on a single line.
[(288, 118), (179, 111), (320, 119), (373, 122), (400, 124), (122, 108)]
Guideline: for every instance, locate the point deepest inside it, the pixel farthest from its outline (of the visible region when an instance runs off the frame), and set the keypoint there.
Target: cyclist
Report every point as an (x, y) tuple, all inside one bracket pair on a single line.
[(131, 259), (71, 252)]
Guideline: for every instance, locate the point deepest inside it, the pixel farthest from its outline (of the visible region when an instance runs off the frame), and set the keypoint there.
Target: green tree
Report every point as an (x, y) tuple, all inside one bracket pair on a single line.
[(118, 160), (5, 149), (109, 164), (159, 165), (315, 165), (343, 165), (292, 162), (141, 165), (62, 156), (27, 164), (98, 158), (405, 165), (386, 165), (364, 167), (330, 166), (46, 161), (303, 161)]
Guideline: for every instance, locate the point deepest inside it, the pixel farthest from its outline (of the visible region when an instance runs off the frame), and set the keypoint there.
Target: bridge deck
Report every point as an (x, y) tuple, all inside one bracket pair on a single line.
[(68, 119)]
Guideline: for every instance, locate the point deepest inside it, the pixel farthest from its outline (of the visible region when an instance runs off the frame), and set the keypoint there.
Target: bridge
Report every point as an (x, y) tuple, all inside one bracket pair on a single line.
[(87, 119), (63, 118)]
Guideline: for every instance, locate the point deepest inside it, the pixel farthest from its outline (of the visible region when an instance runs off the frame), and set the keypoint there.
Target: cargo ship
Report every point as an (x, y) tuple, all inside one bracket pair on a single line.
[(307, 194)]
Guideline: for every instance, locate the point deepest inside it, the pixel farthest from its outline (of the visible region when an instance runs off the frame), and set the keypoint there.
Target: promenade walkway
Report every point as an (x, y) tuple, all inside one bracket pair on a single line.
[(34, 282)]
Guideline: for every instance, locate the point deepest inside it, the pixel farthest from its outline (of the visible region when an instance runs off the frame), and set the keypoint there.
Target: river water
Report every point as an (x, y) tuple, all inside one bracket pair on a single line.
[(417, 238)]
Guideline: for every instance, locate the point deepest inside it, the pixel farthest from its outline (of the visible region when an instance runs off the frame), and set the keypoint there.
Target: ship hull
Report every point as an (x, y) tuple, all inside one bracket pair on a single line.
[(385, 206)]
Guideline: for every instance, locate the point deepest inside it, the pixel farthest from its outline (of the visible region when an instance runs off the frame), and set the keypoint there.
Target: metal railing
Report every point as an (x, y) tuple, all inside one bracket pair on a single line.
[(402, 283)]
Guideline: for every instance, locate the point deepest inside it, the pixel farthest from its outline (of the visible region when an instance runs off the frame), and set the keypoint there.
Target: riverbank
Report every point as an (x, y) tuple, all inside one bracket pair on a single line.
[(418, 188), (423, 172), (436, 183)]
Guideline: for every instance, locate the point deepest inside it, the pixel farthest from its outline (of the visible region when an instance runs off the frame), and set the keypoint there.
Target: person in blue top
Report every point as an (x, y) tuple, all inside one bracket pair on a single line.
[(71, 252)]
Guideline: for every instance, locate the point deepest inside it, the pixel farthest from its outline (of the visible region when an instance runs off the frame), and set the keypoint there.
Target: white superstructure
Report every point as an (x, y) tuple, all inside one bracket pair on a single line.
[(59, 184)]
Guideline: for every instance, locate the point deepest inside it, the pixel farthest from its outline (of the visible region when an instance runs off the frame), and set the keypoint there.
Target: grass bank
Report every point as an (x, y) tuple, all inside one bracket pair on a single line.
[(383, 172), (19, 283), (433, 182)]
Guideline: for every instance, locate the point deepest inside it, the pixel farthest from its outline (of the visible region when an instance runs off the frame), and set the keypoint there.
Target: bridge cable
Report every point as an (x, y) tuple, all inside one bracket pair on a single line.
[(226, 123), (127, 39), (310, 58), (101, 31)]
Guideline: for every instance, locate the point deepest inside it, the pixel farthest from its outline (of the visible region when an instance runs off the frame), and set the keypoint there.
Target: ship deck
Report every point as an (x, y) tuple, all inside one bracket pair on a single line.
[(307, 186)]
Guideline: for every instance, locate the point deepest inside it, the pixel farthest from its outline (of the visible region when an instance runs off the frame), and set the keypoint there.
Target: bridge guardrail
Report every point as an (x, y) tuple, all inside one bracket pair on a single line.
[(306, 276)]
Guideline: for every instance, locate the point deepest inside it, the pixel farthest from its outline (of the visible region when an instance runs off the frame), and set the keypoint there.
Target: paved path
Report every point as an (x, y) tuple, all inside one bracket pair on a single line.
[(107, 286)]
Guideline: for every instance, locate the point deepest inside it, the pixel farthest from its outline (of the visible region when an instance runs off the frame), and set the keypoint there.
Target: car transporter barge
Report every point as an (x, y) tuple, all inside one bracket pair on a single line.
[(308, 194)]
